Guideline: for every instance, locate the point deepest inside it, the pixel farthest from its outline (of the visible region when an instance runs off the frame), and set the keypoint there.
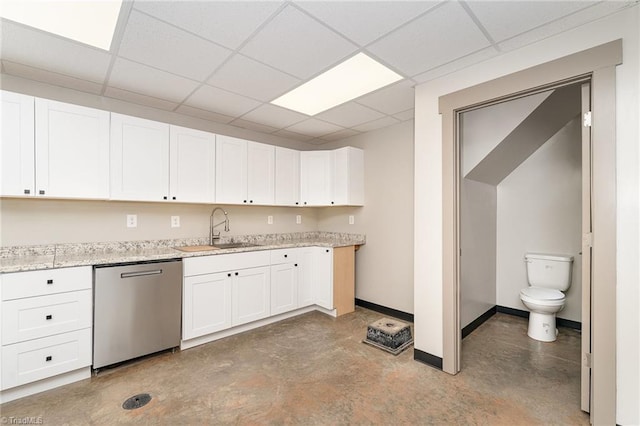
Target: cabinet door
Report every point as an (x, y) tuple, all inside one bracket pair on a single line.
[(323, 277), (287, 186), (192, 155), (206, 304), (260, 173), (139, 159), (284, 288), (231, 170), (315, 178), (17, 173), (251, 295), (348, 176), (72, 151), (305, 277)]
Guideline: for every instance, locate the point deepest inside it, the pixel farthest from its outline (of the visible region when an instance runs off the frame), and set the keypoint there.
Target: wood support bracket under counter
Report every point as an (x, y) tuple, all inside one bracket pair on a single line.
[(344, 279)]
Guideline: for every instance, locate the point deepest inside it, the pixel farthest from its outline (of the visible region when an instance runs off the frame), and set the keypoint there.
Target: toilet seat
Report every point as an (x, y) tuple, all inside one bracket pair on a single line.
[(542, 295)]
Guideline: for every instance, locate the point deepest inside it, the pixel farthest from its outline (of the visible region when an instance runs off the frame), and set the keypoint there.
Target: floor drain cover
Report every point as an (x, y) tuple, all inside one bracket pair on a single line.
[(136, 401)]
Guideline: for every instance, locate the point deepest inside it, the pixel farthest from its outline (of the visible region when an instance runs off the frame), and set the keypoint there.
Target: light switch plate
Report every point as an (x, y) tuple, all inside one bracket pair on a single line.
[(132, 221), (298, 219), (175, 221)]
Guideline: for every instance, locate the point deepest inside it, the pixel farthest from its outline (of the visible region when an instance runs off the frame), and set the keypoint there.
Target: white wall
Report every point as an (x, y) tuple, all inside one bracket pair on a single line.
[(384, 266), (36, 221), (428, 188), (539, 211), (478, 208)]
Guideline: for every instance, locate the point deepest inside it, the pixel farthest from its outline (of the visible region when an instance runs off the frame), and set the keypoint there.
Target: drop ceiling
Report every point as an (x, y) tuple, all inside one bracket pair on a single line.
[(225, 60)]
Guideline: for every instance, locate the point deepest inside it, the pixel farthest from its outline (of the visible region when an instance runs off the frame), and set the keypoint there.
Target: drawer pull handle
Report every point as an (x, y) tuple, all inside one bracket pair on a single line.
[(49, 281), (48, 358), (49, 317), (229, 274), (236, 274), (295, 264)]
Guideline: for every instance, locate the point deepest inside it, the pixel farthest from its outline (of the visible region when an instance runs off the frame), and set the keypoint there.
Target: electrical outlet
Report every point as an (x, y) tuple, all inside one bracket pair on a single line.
[(351, 219), (298, 219), (175, 221), (132, 221), (269, 220)]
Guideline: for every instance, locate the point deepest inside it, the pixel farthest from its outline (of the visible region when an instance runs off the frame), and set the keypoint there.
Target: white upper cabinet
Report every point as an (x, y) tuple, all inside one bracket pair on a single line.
[(287, 177), (260, 173), (231, 170), (17, 176), (72, 151), (348, 177), (316, 172), (244, 171), (192, 165), (139, 159)]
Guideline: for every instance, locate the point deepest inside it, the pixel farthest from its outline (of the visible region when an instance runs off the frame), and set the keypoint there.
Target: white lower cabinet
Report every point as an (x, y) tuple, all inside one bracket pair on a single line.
[(46, 324), (250, 295), (323, 277), (284, 288), (207, 304), (306, 258)]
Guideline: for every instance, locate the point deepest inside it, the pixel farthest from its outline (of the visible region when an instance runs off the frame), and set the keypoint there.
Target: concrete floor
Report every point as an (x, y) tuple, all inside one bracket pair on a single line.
[(314, 370)]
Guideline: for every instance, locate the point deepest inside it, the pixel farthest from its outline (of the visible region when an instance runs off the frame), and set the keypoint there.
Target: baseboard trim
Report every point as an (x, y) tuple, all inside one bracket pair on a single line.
[(427, 358), (576, 325), (478, 321), (405, 316)]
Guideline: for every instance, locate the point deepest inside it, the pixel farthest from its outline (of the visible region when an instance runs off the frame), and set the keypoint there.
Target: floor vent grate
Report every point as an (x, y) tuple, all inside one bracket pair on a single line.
[(136, 401)]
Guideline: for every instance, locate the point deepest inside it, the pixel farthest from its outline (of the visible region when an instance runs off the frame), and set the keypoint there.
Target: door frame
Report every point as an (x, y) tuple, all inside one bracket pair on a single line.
[(598, 64)]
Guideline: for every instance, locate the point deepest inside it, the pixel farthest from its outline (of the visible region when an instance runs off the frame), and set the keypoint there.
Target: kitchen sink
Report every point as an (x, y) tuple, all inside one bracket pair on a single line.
[(218, 246), (233, 245)]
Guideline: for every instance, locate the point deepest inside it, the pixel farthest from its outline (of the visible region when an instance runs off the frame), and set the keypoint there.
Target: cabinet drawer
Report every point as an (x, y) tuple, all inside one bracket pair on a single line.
[(35, 317), (225, 262), (17, 285), (284, 256), (41, 358)]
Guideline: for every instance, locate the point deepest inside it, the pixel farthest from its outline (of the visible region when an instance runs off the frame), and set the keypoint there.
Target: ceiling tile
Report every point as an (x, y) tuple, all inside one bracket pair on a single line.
[(391, 99), (24, 45), (228, 23), (139, 99), (317, 141), (405, 115), (314, 127), (49, 77), (365, 24), (151, 42), (247, 77), (456, 65), (504, 19), (581, 17), (297, 44), (440, 36), (340, 134), (205, 115), (293, 135), (221, 101), (253, 126), (349, 115), (274, 116), (377, 124), (149, 81)]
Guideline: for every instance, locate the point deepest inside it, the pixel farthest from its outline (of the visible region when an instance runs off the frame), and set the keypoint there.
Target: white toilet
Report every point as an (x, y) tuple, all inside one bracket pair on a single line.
[(548, 276)]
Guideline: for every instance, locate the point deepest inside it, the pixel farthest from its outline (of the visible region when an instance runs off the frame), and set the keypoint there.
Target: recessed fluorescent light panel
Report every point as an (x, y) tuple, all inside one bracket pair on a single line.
[(350, 79), (91, 21)]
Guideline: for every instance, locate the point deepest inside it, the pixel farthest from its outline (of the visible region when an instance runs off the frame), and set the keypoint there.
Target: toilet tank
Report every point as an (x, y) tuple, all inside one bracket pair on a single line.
[(549, 270)]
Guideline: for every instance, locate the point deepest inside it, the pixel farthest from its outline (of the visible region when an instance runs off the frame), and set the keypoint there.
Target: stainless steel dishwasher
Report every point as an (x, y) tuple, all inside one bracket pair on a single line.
[(137, 310)]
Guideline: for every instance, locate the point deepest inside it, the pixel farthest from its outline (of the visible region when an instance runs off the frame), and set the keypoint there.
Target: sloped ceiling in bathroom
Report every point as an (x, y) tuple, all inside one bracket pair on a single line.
[(545, 120)]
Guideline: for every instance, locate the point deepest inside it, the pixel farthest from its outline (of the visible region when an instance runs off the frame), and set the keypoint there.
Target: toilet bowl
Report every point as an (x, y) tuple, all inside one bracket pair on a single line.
[(543, 304), (548, 276)]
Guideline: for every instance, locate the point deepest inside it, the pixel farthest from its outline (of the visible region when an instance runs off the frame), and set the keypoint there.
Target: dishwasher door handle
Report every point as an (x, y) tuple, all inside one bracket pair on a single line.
[(140, 273)]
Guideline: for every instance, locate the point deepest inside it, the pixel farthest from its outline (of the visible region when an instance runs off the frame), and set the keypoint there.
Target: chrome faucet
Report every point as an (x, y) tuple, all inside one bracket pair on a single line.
[(213, 235)]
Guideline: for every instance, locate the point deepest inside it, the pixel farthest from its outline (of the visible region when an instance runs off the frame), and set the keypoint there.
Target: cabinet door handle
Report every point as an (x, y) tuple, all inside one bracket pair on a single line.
[(327, 250), (305, 203), (49, 281), (48, 358), (251, 201), (49, 317), (295, 264), (332, 202), (173, 198), (41, 192), (244, 201), (27, 191), (229, 274), (297, 203), (164, 198), (236, 274), (285, 255)]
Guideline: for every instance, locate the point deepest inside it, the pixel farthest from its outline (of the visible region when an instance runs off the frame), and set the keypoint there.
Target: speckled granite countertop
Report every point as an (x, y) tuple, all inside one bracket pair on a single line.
[(30, 258)]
